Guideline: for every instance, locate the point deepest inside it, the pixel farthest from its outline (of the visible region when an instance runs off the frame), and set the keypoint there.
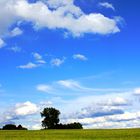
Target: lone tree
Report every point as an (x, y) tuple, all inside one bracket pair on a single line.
[(51, 117)]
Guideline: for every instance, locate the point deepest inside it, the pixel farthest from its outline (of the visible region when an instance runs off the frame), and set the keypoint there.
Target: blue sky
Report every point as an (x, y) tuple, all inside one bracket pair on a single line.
[(80, 57)]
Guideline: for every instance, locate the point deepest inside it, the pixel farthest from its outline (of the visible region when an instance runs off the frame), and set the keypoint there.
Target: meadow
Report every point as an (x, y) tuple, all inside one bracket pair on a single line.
[(123, 134)]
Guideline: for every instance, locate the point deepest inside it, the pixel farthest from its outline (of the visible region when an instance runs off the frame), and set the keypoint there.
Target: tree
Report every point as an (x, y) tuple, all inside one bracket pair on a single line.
[(51, 117), (9, 127), (21, 128), (74, 125), (13, 127)]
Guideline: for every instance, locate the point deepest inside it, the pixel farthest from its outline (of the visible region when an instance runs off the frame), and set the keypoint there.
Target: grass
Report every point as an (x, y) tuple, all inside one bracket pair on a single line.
[(123, 134)]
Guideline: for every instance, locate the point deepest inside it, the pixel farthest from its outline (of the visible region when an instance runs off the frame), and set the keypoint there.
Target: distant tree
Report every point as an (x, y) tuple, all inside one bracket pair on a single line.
[(21, 128), (13, 127), (9, 127), (75, 125), (51, 118)]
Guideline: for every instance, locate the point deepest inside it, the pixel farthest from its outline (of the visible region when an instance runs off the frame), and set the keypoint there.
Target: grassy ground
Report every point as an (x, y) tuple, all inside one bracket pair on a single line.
[(128, 134)]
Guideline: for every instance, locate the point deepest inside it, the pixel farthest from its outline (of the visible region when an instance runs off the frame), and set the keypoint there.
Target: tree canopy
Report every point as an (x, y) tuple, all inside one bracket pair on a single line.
[(51, 117)]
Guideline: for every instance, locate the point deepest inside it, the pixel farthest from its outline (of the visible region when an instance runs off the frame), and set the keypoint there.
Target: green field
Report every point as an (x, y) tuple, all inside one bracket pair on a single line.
[(127, 134)]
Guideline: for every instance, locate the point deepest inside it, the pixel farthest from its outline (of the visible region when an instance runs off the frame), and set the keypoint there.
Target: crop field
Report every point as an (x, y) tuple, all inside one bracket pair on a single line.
[(126, 134)]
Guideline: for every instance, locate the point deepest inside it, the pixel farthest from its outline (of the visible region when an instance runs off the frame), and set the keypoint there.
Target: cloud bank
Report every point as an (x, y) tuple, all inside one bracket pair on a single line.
[(54, 14)]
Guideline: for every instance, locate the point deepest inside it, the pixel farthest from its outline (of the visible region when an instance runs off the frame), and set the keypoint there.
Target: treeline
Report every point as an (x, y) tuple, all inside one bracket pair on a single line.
[(13, 127), (68, 126)]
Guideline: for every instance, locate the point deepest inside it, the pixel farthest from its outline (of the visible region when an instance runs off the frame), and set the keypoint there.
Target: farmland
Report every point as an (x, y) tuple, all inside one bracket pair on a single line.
[(122, 134)]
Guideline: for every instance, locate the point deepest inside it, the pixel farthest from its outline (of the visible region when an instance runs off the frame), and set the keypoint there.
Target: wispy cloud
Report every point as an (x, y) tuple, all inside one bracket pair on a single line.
[(44, 88), (16, 32), (70, 84), (107, 5), (66, 87), (80, 57), (38, 58), (15, 49), (29, 65)]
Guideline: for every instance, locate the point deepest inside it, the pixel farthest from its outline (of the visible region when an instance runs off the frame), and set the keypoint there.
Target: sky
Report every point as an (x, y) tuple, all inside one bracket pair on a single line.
[(79, 56)]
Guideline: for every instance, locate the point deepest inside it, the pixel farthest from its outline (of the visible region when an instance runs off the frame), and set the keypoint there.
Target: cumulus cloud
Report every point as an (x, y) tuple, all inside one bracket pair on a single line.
[(107, 5), (18, 111), (80, 57), (27, 108), (65, 15), (29, 65), (38, 62)]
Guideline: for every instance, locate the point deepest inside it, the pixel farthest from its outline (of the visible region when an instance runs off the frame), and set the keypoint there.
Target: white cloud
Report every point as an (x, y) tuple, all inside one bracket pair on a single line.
[(2, 43), (80, 57), (30, 65), (109, 110), (75, 87), (126, 120), (44, 88), (7, 10), (57, 62), (66, 16), (107, 5), (95, 110), (38, 62), (117, 101), (137, 91), (27, 108), (20, 111), (41, 61), (37, 56), (71, 84), (58, 3), (16, 31)]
